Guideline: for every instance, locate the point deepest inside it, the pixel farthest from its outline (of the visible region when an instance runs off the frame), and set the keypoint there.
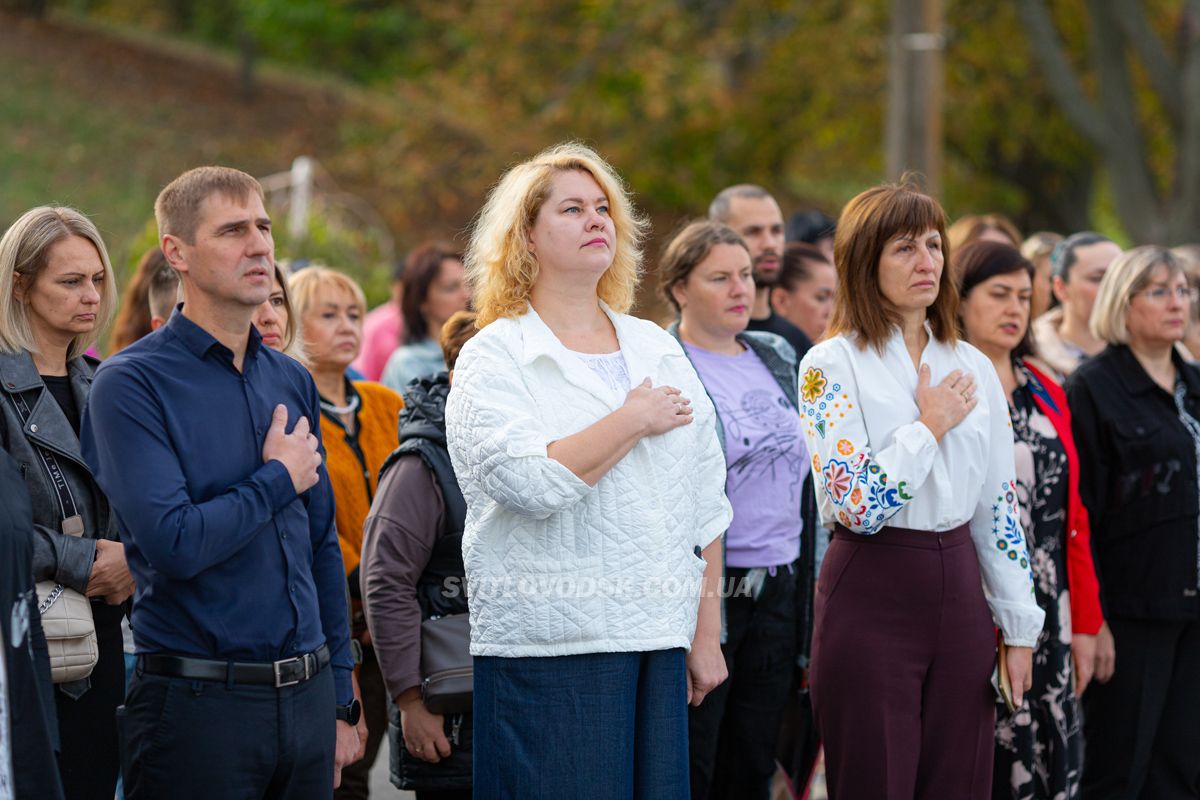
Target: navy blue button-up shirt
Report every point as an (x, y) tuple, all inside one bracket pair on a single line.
[(230, 562)]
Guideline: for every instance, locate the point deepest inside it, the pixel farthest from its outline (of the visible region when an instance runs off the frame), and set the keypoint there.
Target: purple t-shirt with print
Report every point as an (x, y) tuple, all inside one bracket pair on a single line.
[(765, 458)]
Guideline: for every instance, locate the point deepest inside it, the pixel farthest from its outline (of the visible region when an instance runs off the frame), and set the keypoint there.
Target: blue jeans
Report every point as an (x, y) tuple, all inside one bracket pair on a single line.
[(605, 726)]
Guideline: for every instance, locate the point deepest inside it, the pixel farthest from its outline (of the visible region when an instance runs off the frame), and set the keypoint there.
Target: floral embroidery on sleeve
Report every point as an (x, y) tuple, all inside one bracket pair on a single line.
[(860, 489), (814, 384), (821, 406), (1006, 526)]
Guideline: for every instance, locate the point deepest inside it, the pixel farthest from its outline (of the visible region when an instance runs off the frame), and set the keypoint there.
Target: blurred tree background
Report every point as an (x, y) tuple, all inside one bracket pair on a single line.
[(417, 107)]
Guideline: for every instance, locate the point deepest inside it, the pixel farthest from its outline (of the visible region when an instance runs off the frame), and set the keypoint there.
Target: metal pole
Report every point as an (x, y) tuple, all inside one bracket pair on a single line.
[(301, 199), (915, 80)]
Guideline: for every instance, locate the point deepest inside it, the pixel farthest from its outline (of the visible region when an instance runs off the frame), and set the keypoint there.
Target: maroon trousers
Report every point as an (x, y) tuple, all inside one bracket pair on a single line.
[(903, 650)]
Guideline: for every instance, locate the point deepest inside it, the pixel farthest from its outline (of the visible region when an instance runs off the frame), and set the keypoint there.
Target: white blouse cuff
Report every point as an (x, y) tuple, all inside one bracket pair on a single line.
[(1020, 623)]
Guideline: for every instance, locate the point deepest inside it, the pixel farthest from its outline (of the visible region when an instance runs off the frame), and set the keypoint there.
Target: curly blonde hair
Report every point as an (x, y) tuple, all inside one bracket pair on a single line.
[(499, 265)]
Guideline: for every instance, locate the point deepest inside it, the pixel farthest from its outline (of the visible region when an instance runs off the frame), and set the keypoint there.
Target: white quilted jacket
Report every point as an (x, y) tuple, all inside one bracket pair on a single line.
[(555, 567)]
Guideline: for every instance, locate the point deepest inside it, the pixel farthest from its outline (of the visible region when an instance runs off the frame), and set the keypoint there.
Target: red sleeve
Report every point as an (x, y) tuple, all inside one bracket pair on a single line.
[(1086, 614)]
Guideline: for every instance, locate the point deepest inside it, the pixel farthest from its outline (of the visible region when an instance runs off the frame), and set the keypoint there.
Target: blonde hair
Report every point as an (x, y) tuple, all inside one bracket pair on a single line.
[(25, 252), (306, 286), (501, 269), (1129, 273)]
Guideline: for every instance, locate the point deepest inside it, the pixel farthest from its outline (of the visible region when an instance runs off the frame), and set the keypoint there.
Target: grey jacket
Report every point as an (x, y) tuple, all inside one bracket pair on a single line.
[(780, 360), (65, 559)]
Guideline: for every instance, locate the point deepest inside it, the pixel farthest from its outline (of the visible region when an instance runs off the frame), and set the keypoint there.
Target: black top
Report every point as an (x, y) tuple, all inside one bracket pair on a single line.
[(1138, 480), (60, 387), (781, 327), (26, 693)]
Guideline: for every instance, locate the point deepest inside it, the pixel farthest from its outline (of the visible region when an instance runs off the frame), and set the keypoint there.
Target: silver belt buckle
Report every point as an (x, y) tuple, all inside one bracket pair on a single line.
[(278, 665)]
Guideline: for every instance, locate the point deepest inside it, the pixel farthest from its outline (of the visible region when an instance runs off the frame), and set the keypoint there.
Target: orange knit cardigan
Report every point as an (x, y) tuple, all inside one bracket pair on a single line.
[(354, 479)]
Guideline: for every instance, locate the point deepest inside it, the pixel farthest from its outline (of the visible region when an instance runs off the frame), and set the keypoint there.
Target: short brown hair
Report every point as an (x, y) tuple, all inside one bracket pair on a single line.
[(457, 331), (687, 249), (794, 266), (421, 269), (163, 291), (133, 314), (177, 208), (867, 224)]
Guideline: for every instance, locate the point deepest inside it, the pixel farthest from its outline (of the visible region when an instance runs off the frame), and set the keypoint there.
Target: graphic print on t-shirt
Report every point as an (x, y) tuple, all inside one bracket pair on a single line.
[(766, 435)]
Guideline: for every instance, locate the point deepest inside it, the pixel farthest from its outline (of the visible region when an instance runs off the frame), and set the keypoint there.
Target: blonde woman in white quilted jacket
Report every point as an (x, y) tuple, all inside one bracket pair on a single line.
[(586, 449)]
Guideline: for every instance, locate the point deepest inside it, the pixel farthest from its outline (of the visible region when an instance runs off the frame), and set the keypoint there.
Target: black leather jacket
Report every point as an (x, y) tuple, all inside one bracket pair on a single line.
[(65, 559), (1138, 479)]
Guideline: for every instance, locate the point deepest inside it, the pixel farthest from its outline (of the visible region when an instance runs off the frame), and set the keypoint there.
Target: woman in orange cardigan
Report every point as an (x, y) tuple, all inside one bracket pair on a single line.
[(359, 427), (1039, 749)]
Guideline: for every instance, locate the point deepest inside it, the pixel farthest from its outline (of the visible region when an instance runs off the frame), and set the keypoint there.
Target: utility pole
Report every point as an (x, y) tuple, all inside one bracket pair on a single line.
[(915, 79)]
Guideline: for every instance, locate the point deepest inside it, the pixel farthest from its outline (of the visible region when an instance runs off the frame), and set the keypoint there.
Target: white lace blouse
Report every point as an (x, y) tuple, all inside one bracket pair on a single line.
[(874, 464)]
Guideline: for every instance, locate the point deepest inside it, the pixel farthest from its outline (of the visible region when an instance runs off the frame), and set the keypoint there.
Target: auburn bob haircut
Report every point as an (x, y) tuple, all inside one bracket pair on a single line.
[(868, 223)]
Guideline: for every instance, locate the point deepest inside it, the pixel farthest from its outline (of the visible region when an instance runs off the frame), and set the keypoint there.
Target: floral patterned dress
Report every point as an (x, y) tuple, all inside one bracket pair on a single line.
[(1039, 749)]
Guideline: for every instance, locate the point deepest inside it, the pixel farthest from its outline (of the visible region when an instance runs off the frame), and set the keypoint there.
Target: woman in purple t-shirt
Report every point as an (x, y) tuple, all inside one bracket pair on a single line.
[(706, 275)]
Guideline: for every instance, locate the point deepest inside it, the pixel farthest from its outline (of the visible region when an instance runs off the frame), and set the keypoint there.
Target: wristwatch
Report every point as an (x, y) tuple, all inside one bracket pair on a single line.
[(350, 712)]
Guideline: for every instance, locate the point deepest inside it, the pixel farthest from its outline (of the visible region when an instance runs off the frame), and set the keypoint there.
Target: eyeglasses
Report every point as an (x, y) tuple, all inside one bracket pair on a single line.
[(1159, 294)]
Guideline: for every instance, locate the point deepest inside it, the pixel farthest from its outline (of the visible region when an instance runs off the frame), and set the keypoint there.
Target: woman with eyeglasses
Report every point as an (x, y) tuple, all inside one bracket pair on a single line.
[(1136, 417)]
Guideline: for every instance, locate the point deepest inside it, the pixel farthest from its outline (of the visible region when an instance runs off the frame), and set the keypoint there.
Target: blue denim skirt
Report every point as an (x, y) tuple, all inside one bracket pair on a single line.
[(602, 726)]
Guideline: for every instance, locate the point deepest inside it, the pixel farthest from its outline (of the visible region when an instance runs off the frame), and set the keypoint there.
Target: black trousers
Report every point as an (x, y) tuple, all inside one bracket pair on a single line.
[(733, 734), (87, 729), (356, 777), (1142, 728), (186, 739)]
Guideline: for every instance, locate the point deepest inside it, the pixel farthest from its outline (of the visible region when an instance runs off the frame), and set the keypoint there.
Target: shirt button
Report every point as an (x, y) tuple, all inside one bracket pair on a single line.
[(33, 428), (293, 588)]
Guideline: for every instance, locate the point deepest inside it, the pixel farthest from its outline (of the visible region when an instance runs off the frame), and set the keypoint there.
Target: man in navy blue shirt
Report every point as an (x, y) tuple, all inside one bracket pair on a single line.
[(243, 686)]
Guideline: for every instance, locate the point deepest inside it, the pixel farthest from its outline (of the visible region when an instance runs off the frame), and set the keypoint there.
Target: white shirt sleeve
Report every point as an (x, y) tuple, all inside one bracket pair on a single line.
[(857, 485), (996, 528), (495, 443)]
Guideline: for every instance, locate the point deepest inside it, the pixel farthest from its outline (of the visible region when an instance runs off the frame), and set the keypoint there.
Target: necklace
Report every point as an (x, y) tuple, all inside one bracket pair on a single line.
[(341, 410)]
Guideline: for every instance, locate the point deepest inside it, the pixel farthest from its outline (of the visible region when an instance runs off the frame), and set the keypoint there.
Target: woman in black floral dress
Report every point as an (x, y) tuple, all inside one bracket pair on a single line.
[(1039, 748)]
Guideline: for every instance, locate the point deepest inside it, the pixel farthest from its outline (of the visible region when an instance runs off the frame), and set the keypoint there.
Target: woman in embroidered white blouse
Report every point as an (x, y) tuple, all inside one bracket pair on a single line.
[(913, 463), (586, 450)]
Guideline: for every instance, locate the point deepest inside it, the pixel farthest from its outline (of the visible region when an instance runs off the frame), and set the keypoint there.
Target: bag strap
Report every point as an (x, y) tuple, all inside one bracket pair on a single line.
[(72, 520)]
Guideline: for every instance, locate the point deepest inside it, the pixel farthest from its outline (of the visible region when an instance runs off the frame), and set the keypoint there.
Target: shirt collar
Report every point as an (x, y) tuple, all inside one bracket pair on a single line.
[(1137, 381), (200, 341)]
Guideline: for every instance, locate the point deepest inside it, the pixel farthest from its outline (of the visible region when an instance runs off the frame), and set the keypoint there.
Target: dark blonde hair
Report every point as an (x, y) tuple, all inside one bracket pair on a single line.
[(25, 252), (867, 224), (687, 249), (500, 268)]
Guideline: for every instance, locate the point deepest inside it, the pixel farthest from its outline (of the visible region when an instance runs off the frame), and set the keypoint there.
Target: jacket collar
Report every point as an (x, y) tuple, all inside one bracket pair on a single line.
[(642, 353), (1134, 376), (19, 374), (47, 425)]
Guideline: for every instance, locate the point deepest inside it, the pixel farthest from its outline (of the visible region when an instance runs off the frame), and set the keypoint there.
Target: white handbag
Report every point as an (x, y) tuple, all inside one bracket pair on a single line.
[(70, 631)]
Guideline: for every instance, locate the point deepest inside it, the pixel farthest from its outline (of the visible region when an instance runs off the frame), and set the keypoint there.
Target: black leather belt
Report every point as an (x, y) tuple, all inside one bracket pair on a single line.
[(285, 672)]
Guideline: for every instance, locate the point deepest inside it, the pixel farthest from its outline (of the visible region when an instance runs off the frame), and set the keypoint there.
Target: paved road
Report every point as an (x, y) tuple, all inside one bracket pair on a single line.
[(380, 785)]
